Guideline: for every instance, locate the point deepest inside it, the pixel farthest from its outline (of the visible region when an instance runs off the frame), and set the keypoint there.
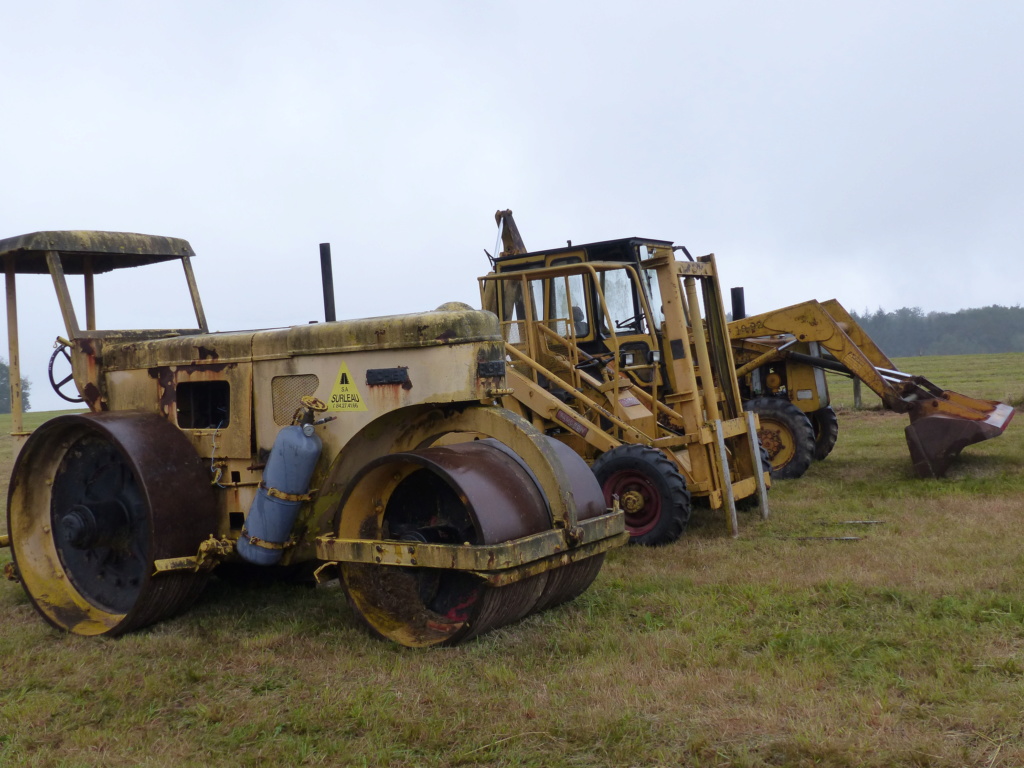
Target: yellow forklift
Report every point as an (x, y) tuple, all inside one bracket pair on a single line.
[(621, 352)]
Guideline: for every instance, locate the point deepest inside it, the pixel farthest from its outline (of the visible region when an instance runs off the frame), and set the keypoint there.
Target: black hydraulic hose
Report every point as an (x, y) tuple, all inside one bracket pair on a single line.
[(819, 362)]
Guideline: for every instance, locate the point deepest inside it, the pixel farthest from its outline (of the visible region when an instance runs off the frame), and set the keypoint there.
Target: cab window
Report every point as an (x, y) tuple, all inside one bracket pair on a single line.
[(568, 304), (621, 299)]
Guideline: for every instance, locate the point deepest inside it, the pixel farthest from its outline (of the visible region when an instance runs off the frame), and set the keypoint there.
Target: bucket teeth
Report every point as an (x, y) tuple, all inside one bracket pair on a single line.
[(936, 440)]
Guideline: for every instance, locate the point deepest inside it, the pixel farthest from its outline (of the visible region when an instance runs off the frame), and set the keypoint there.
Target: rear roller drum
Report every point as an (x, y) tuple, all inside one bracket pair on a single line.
[(569, 582), (94, 500), (474, 493), (786, 434), (650, 490)]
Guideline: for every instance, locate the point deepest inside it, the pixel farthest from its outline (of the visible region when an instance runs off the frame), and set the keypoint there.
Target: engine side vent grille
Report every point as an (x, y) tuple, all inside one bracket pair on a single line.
[(286, 391)]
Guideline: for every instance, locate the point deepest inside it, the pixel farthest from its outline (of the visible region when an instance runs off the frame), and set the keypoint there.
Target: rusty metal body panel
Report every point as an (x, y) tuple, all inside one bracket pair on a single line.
[(434, 358)]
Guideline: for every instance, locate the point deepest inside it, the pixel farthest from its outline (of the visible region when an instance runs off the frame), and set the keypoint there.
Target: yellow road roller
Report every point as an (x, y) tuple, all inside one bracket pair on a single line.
[(372, 451)]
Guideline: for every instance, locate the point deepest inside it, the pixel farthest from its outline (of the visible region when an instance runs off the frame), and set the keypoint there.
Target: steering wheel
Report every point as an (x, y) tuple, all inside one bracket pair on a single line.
[(62, 350), (632, 323), (597, 360)]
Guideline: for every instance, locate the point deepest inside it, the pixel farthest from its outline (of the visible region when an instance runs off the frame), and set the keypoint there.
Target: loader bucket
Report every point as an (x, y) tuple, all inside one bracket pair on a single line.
[(939, 429)]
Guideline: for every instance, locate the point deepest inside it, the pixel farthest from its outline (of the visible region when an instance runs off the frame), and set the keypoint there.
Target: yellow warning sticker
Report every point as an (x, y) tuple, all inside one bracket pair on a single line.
[(345, 395)]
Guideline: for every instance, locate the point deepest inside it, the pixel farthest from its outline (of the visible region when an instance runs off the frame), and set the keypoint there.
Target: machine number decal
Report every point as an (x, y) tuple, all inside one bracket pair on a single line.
[(571, 423), (345, 394)]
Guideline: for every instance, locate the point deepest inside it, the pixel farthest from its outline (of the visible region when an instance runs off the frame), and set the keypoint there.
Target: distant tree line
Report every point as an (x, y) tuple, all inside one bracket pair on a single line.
[(5, 389), (909, 331)]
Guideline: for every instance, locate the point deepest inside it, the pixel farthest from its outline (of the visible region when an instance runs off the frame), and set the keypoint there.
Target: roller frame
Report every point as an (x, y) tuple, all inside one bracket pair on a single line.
[(568, 541), (498, 564)]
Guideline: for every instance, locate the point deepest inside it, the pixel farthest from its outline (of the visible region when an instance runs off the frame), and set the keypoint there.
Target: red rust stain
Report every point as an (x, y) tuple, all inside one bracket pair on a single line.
[(387, 397), (234, 500)]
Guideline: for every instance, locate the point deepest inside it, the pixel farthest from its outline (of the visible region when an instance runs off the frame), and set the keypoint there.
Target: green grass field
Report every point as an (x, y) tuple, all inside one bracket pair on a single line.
[(787, 647)]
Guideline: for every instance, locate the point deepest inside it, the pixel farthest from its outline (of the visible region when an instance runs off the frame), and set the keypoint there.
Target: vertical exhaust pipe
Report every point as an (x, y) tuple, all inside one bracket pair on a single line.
[(739, 305), (327, 277)]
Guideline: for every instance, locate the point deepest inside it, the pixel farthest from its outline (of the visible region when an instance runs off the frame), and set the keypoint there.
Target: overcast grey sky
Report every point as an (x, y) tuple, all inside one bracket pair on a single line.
[(868, 151)]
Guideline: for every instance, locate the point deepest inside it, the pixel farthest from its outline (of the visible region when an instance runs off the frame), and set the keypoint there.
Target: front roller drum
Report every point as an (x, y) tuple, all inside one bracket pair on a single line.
[(471, 493), (94, 501)]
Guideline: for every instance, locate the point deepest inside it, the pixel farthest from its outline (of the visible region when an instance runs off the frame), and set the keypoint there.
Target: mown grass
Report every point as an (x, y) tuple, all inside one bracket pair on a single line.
[(785, 647)]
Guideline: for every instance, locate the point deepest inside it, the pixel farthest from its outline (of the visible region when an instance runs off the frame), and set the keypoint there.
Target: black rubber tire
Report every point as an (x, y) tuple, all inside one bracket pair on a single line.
[(651, 492), (826, 431), (786, 434)]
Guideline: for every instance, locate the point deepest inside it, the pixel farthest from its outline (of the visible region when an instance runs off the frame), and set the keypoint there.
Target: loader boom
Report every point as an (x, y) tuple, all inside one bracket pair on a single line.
[(942, 422)]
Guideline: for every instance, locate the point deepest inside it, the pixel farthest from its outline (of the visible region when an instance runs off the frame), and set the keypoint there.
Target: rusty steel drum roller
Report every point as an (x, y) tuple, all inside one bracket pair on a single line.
[(94, 500), (477, 492), (468, 493)]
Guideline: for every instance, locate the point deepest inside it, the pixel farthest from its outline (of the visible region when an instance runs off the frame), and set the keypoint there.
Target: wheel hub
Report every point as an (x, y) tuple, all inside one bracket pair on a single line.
[(103, 524), (771, 441), (632, 501)]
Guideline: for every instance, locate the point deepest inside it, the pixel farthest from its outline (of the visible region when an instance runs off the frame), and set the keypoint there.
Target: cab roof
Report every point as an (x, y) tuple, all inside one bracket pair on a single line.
[(108, 250), (623, 249)]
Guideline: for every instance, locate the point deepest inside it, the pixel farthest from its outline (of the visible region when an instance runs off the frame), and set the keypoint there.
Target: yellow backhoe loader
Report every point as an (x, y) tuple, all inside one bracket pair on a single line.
[(782, 356)]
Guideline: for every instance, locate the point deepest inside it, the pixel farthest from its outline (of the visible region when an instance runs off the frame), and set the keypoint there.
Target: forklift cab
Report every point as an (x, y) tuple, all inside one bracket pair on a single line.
[(599, 298)]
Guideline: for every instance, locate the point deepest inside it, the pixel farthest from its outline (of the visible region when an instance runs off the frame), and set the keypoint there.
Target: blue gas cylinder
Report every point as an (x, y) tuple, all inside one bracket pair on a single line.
[(288, 471)]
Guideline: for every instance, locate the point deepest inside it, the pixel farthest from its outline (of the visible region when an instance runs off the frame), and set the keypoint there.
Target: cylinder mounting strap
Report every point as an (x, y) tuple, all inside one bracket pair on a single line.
[(257, 542), (275, 493)]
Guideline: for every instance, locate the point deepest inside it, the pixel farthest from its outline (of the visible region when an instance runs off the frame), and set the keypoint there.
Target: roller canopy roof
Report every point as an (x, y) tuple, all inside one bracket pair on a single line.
[(108, 250)]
